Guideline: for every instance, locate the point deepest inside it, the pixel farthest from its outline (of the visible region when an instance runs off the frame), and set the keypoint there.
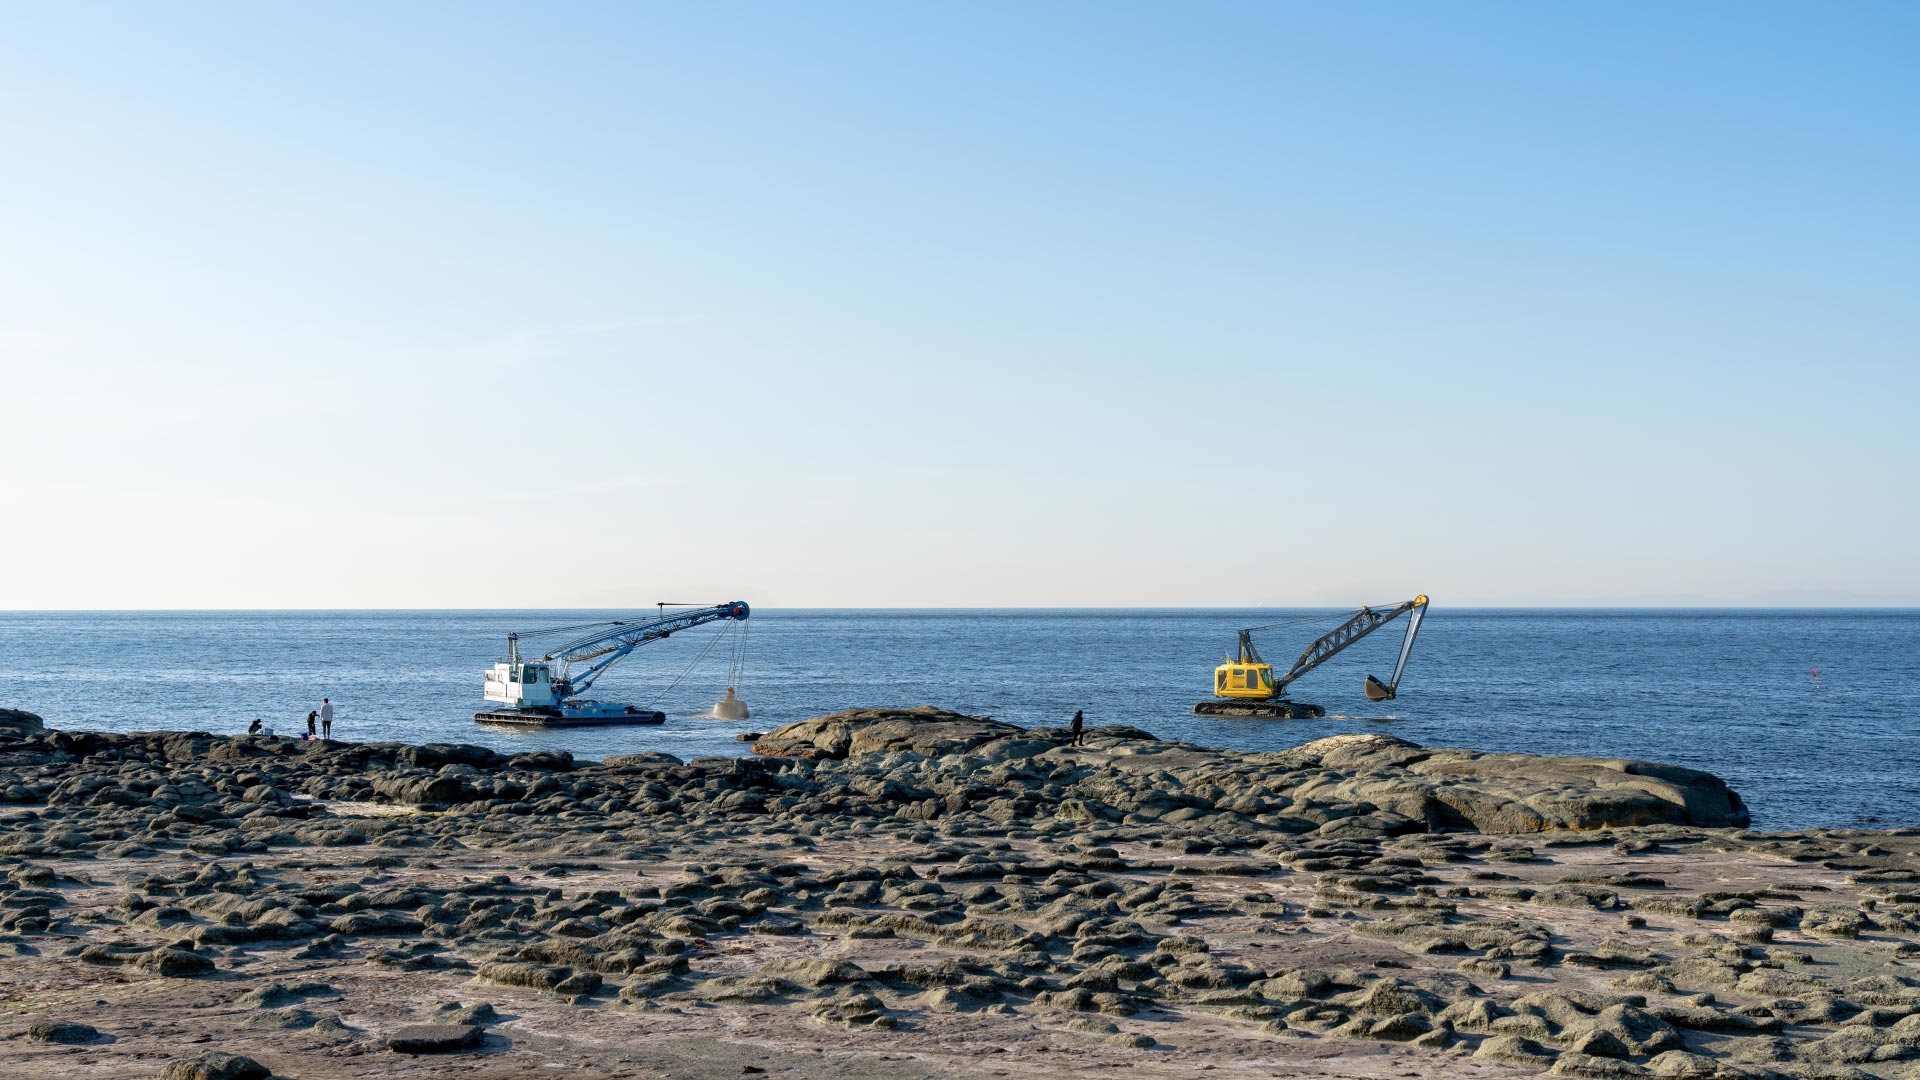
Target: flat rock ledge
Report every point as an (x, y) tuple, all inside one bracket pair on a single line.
[(1345, 784), (921, 895)]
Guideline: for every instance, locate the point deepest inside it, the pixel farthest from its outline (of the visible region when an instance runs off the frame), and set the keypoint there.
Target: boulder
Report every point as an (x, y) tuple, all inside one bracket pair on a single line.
[(648, 761), (1587, 1067), (214, 1065), (434, 755), (1514, 1050), (20, 723), (1622, 1031), (563, 980), (61, 1032), (1510, 793), (1680, 1065), (170, 962), (418, 790), (283, 1020), (453, 1013), (856, 1009), (923, 730), (814, 972)]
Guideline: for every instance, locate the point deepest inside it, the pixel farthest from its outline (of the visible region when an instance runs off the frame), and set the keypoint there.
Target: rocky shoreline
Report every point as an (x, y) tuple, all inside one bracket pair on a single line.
[(918, 893)]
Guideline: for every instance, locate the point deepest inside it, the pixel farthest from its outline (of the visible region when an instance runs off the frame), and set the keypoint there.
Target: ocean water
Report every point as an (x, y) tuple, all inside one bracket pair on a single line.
[(1732, 692)]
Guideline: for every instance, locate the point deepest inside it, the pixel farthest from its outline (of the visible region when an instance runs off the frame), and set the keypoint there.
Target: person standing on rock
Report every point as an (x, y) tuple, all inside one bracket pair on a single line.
[(311, 717), (1078, 729), (326, 719)]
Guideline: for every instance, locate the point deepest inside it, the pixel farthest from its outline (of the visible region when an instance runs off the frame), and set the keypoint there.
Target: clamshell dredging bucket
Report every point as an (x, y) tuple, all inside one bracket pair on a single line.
[(730, 707)]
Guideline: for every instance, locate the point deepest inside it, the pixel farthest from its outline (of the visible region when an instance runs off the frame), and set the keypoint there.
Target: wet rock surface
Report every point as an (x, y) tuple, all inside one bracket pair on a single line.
[(908, 893)]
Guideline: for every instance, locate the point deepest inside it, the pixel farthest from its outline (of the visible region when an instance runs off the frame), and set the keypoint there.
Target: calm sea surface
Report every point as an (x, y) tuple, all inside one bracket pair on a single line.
[(1727, 691)]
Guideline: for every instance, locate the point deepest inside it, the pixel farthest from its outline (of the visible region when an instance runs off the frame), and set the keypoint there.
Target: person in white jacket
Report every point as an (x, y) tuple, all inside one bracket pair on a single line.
[(326, 719)]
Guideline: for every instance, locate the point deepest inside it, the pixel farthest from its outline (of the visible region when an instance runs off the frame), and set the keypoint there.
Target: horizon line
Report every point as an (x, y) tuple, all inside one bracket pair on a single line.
[(1890, 605)]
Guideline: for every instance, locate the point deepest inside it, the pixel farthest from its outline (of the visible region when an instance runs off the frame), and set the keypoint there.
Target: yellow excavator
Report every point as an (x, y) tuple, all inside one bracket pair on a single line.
[(1244, 684)]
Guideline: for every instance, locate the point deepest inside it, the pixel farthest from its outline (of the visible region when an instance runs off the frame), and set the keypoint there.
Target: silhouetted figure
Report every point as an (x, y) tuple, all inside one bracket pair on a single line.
[(254, 728), (1078, 729), (313, 719)]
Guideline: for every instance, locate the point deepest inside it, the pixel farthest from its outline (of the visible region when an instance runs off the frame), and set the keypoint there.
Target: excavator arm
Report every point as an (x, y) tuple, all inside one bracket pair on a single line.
[(1375, 690), (1363, 622)]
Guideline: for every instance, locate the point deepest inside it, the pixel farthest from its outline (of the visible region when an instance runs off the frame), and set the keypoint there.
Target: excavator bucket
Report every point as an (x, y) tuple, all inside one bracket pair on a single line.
[(1377, 690)]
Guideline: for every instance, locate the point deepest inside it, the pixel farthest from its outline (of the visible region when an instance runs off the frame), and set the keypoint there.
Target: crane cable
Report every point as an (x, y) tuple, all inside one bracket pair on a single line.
[(1342, 617), (712, 640), (737, 661), (567, 629)]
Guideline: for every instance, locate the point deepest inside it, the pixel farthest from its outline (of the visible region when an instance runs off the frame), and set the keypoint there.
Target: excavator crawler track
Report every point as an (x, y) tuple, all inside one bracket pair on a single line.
[(537, 719), (1271, 710)]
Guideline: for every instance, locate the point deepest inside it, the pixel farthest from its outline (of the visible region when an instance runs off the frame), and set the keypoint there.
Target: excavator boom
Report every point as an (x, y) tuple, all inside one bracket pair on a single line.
[(1364, 622)]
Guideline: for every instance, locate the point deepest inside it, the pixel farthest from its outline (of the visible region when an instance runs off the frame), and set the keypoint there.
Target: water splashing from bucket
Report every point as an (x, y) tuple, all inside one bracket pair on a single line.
[(729, 707)]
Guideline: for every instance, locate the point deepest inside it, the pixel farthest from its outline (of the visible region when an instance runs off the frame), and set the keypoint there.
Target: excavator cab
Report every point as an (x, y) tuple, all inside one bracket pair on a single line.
[(1244, 675), (1243, 680)]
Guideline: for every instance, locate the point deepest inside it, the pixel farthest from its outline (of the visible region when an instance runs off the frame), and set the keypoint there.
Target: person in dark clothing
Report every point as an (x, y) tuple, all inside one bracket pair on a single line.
[(254, 728), (313, 720), (1078, 729)]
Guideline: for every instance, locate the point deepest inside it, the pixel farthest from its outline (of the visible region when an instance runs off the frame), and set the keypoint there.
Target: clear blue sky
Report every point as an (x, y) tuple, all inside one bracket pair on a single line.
[(544, 305)]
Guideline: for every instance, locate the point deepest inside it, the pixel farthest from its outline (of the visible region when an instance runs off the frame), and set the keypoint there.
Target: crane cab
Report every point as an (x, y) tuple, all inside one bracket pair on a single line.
[(522, 685), (1244, 680)]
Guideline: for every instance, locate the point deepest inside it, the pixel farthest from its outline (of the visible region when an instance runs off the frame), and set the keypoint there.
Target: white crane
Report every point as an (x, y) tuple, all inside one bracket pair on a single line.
[(539, 696)]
